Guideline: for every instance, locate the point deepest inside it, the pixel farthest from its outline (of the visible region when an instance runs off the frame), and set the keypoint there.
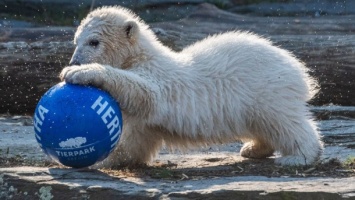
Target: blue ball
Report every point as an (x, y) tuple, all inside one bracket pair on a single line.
[(77, 126)]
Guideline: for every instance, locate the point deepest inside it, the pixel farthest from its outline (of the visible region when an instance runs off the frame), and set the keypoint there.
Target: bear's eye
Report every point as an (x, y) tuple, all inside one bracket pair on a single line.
[(94, 43)]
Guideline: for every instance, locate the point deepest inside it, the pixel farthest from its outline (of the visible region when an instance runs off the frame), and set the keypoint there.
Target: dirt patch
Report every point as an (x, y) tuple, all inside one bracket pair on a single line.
[(219, 167), (332, 168)]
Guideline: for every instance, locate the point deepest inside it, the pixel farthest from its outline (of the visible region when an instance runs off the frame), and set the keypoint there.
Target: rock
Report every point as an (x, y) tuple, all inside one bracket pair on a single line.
[(15, 24), (27, 70), (32, 58), (43, 183)]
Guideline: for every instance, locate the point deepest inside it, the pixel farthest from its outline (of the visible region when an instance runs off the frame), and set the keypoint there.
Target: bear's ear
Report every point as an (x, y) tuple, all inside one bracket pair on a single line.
[(130, 28)]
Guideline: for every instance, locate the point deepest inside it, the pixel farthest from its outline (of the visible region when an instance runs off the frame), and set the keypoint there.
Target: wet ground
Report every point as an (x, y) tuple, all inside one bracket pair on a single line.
[(18, 147), (216, 172)]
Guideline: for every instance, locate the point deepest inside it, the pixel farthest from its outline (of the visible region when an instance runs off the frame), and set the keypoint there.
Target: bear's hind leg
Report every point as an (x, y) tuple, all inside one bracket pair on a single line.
[(256, 149), (301, 145)]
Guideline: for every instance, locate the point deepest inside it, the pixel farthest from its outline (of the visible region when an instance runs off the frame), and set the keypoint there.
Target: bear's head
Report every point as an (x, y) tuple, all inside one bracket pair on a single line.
[(108, 35)]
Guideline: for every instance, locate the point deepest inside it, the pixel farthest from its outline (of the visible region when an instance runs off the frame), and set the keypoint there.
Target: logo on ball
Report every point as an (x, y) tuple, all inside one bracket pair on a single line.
[(77, 126)]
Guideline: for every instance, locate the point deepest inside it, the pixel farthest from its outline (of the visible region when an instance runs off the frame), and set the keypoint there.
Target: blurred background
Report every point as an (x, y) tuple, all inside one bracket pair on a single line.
[(36, 38), (30, 13)]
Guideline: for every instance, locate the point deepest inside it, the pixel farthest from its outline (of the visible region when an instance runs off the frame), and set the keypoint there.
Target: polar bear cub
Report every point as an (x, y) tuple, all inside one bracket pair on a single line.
[(228, 87)]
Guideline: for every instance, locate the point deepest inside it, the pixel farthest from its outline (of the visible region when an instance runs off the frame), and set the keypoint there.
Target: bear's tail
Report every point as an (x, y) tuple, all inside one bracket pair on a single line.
[(312, 84)]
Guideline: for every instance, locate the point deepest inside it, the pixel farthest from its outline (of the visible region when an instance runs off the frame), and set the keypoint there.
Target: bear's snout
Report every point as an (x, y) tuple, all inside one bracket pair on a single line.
[(74, 62)]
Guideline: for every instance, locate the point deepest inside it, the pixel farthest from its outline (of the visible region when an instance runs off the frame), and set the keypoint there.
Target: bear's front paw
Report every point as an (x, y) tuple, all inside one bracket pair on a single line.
[(91, 74)]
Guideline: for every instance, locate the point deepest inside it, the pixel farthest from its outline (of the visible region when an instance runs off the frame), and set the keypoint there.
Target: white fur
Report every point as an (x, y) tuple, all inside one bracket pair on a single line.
[(227, 87)]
